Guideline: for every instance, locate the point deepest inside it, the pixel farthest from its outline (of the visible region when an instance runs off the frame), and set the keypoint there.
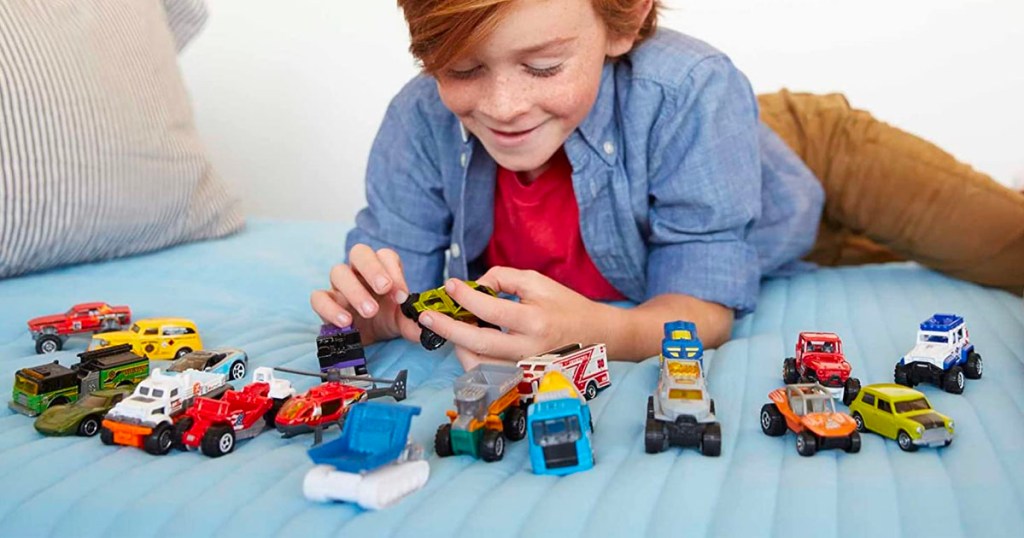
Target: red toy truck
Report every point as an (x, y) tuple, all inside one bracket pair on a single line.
[(585, 366), (50, 332), (819, 359)]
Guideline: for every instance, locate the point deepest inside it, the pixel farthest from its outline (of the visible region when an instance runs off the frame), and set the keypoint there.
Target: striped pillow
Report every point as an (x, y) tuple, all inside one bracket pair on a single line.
[(99, 156)]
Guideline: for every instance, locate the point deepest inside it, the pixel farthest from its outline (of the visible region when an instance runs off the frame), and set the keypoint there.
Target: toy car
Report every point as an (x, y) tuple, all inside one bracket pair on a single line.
[(329, 402), (340, 348), (82, 417), (810, 412), (232, 362), (155, 338), (903, 414), (558, 427), (586, 366), (819, 358), (437, 300), (943, 355), (374, 463), (681, 413), (51, 332), (488, 412), (40, 387)]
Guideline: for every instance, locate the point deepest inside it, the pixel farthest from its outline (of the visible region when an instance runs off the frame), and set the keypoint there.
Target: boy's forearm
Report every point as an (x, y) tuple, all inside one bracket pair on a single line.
[(634, 334)]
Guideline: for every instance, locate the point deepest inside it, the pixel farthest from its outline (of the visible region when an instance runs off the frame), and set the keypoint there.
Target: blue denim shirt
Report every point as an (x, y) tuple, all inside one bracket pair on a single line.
[(681, 189)]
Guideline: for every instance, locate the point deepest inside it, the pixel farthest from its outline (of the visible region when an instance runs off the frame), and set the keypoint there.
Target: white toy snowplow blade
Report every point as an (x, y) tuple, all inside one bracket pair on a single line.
[(373, 491)]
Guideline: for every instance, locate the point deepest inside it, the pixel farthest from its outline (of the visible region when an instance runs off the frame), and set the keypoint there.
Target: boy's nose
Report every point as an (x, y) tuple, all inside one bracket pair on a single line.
[(505, 103)]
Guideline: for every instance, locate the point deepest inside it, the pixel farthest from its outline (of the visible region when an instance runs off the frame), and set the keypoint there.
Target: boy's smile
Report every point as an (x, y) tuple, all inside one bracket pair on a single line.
[(527, 87)]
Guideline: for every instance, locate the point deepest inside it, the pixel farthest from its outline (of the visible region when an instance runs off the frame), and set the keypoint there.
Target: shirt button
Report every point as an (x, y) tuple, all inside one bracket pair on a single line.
[(609, 148), (462, 160), (455, 250)]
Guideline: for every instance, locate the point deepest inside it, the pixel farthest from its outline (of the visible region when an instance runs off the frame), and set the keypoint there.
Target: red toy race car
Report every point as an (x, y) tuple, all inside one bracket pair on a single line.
[(50, 332), (819, 359)]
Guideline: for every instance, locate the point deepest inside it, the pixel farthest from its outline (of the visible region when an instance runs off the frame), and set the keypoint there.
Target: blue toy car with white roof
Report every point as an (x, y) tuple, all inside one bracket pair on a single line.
[(943, 355)]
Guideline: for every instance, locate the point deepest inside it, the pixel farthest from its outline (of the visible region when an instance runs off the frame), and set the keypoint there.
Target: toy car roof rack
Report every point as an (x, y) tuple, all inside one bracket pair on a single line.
[(941, 322)]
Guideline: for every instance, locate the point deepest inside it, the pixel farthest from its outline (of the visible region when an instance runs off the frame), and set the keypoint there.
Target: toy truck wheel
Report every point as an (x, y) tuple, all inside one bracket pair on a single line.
[(106, 436), (443, 441), (854, 446), (89, 426), (650, 407), (953, 380), (515, 423), (407, 307), (711, 440), (492, 446), (182, 352), (772, 421), (850, 390), (159, 441), (430, 340), (806, 443), (49, 343), (180, 428), (655, 437), (591, 391), (901, 377), (712, 406), (237, 371), (218, 441), (860, 422), (790, 374), (973, 368), (906, 443)]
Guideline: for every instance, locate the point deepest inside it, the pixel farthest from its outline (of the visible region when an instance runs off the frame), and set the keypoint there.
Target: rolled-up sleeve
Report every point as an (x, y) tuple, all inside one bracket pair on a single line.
[(705, 190), (406, 209)]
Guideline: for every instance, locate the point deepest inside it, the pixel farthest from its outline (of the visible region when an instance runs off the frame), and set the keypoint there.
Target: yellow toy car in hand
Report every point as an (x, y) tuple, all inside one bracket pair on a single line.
[(903, 414), (155, 338)]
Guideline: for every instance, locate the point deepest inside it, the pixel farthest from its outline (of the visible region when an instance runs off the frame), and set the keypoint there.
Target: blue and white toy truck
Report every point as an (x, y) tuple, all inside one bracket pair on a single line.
[(374, 463), (559, 426), (943, 355)]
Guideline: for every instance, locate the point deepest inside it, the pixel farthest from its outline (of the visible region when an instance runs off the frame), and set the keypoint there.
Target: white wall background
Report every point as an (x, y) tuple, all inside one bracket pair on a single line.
[(288, 95)]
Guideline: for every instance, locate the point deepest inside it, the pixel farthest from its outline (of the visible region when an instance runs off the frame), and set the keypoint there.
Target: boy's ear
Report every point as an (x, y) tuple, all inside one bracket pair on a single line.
[(619, 45)]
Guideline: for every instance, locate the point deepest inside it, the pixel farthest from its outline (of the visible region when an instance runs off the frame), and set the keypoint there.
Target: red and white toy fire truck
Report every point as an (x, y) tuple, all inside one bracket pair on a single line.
[(585, 366)]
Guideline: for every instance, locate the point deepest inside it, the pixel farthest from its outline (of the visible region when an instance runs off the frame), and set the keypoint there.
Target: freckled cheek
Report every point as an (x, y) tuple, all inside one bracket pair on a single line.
[(571, 101), (461, 100)]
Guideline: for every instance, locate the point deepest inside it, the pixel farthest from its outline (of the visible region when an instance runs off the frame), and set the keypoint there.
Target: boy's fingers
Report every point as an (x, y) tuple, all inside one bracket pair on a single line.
[(497, 311), (367, 264), (348, 285), (484, 342), (329, 308), (393, 265), (508, 280)]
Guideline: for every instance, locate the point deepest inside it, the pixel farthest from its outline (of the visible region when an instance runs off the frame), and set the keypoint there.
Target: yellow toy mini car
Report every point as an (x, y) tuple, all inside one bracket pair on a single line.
[(903, 414), (155, 338), (438, 300)]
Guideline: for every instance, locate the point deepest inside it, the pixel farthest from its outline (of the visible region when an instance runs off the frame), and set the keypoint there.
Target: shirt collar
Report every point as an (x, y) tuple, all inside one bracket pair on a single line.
[(598, 129)]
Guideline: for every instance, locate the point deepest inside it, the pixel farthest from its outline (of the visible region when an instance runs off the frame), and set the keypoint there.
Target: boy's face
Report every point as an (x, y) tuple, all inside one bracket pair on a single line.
[(525, 89)]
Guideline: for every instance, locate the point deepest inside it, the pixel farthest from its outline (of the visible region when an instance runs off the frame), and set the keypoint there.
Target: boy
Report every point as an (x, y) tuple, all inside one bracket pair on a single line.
[(584, 157)]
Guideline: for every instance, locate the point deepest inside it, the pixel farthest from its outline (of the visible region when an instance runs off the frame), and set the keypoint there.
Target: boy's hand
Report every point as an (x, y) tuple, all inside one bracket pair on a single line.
[(367, 292), (548, 315)]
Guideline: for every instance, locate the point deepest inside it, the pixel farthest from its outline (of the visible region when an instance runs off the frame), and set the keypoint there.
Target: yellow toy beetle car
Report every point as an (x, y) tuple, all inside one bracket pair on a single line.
[(155, 338), (903, 414)]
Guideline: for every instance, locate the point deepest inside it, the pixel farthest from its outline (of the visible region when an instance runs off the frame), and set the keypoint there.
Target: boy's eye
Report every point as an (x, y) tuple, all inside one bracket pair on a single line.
[(544, 72), (462, 74)]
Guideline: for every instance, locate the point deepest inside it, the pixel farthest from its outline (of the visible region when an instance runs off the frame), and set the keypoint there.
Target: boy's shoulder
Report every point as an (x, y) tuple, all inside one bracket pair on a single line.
[(669, 58)]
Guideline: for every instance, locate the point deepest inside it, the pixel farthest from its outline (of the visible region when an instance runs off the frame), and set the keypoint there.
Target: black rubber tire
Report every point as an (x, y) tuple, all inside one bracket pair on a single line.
[(408, 310), (850, 390), (854, 446), (180, 428), (106, 436), (711, 440), (515, 423), (159, 442), (712, 406), (591, 391), (901, 377), (772, 421), (650, 407), (655, 436), (443, 441), (182, 352), (953, 380), (790, 374), (89, 426), (806, 443), (430, 340), (218, 441), (860, 422), (905, 442), (492, 446), (237, 371), (49, 343), (973, 368)]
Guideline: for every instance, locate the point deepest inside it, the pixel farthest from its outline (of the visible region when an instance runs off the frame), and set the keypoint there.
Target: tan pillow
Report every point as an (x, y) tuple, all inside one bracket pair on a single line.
[(99, 156)]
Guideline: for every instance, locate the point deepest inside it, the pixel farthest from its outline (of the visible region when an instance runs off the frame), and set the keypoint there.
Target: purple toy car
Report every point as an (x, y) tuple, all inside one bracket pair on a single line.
[(340, 347)]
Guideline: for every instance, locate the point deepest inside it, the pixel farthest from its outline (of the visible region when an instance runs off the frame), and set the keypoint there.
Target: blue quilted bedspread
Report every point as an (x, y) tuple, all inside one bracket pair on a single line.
[(252, 290)]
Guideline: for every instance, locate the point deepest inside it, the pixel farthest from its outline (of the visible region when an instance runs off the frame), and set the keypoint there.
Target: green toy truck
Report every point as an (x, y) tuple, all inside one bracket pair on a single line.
[(488, 411)]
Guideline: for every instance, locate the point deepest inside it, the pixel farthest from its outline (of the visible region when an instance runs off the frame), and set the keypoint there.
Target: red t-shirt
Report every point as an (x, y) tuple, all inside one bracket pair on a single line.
[(537, 226)]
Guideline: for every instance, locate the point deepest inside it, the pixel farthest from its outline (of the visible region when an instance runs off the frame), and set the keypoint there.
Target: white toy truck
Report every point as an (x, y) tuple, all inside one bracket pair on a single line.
[(146, 419), (585, 366), (943, 355)]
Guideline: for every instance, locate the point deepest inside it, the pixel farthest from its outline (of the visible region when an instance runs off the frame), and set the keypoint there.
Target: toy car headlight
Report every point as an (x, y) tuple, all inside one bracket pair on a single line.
[(920, 429), (950, 426)]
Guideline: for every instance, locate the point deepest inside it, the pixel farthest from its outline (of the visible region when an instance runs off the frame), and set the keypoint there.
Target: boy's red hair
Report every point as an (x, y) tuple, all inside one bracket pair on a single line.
[(443, 30)]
